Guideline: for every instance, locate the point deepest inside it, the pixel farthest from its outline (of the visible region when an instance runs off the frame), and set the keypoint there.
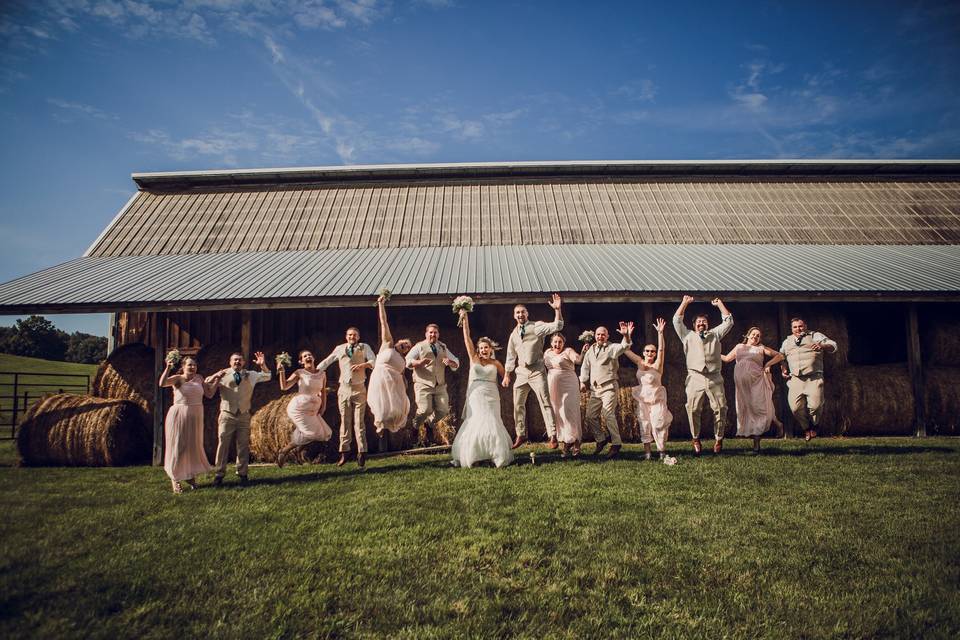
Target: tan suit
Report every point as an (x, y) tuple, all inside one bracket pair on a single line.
[(525, 362), (352, 393), (805, 384), (600, 371), (234, 419), (703, 373), (430, 382)]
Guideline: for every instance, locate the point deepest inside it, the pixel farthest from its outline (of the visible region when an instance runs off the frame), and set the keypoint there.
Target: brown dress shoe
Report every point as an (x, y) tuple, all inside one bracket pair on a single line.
[(361, 459), (519, 442), (343, 460), (697, 448), (718, 446), (600, 447), (552, 443), (614, 452)]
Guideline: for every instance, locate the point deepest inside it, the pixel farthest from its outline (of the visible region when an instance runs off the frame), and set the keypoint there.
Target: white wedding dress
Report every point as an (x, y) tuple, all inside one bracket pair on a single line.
[(482, 435)]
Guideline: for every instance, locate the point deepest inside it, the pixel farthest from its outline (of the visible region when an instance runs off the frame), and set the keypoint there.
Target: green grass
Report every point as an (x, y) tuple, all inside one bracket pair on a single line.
[(51, 384), (836, 538)]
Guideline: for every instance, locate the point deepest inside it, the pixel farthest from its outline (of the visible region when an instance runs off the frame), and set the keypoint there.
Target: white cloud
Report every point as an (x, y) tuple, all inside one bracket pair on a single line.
[(80, 108), (643, 90), (274, 49)]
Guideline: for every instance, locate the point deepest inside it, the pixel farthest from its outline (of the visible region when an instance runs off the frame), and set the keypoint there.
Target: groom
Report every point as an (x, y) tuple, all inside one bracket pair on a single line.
[(354, 358), (525, 356)]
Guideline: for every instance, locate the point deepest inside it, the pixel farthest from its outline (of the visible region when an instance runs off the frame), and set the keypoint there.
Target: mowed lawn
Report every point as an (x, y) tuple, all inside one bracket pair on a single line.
[(36, 367), (856, 538)]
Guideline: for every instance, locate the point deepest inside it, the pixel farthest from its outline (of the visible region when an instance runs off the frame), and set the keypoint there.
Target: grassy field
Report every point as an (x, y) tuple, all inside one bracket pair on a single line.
[(50, 384), (837, 538)]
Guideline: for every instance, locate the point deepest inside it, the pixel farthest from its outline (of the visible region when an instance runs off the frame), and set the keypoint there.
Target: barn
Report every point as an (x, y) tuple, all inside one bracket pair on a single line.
[(284, 259)]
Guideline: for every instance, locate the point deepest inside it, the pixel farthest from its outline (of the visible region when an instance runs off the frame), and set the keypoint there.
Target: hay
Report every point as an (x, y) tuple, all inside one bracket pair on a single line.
[(127, 374), (72, 430), (869, 400), (270, 431), (943, 401), (626, 416), (941, 344)]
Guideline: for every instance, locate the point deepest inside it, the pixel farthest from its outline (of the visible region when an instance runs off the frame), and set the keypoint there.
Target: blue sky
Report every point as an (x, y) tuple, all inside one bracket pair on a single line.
[(92, 90)]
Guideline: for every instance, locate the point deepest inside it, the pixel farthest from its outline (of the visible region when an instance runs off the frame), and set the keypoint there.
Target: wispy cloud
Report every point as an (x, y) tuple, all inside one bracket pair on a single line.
[(643, 90), (77, 108), (274, 50)]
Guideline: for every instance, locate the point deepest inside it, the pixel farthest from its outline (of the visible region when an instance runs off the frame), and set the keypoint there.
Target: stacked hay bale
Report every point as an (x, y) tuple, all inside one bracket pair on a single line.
[(869, 400), (127, 374), (71, 430), (940, 347)]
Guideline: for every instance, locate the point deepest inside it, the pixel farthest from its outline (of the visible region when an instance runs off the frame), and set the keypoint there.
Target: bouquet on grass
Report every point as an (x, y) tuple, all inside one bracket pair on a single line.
[(284, 360), (462, 302), (173, 358), (587, 337)]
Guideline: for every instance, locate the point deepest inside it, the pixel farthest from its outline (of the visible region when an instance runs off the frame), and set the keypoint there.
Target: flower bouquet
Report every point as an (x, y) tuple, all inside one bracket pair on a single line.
[(462, 302), (587, 337), (284, 360), (385, 294), (173, 358)]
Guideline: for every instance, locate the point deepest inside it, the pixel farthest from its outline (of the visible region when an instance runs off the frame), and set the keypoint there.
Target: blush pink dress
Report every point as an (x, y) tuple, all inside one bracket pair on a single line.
[(183, 455), (650, 397), (564, 387), (387, 392), (754, 386), (304, 409)]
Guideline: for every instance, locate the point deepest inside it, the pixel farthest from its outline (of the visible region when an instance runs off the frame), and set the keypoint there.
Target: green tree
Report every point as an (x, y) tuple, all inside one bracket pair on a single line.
[(83, 347), (35, 337)]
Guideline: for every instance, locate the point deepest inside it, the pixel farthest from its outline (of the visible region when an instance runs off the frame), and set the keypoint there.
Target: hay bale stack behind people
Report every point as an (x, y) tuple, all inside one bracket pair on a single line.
[(71, 430), (127, 374), (869, 400), (942, 401), (270, 431), (626, 416)]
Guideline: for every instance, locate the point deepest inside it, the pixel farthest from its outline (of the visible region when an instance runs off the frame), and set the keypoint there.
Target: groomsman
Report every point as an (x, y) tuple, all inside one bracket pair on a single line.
[(525, 357), (428, 360), (803, 369), (702, 349), (354, 358), (599, 372), (236, 389)]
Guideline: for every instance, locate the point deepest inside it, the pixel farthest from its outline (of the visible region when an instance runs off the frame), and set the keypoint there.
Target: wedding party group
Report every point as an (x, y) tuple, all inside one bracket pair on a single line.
[(530, 366)]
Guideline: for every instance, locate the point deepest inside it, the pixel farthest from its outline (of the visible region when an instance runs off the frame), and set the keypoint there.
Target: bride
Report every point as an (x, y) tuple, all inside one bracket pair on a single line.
[(482, 435)]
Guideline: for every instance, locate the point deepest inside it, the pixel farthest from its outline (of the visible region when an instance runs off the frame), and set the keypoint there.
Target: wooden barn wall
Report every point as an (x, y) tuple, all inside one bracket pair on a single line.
[(868, 390)]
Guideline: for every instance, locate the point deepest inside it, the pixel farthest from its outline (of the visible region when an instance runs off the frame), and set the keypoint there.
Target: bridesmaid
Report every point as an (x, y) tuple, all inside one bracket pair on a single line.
[(754, 386), (306, 407), (387, 391), (564, 387), (650, 395), (183, 457)]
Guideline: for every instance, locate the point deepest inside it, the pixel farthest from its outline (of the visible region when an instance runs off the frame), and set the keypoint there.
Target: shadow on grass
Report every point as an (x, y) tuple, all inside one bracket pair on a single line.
[(830, 449)]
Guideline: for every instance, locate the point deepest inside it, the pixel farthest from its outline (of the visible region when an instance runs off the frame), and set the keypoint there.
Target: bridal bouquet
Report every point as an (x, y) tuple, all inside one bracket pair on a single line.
[(284, 360), (385, 294), (587, 337), (173, 357), (462, 302)]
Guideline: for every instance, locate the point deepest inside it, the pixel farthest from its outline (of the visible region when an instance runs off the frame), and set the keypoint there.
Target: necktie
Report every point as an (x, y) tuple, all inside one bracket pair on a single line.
[(521, 331), (703, 335), (236, 377), (350, 351), (799, 340), (433, 348)]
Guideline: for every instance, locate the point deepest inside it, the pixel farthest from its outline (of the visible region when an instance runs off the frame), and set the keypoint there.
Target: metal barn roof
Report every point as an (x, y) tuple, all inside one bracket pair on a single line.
[(435, 274)]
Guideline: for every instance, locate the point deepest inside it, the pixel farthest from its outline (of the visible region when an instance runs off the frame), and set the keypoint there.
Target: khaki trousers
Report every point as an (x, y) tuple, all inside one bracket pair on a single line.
[(352, 401), (711, 386), (536, 382), (230, 426), (602, 407), (431, 401), (805, 397)]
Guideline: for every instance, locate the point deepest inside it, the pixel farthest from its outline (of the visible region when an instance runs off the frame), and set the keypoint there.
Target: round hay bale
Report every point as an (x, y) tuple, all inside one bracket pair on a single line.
[(943, 400), (127, 374), (626, 416), (270, 431), (869, 400), (71, 430)]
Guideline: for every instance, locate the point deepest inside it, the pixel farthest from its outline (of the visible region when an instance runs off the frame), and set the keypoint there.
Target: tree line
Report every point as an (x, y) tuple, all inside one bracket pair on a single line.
[(37, 337)]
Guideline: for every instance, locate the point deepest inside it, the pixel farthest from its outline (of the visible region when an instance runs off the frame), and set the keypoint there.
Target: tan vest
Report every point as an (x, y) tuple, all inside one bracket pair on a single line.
[(802, 360), (703, 354), (432, 374), (235, 398), (604, 365)]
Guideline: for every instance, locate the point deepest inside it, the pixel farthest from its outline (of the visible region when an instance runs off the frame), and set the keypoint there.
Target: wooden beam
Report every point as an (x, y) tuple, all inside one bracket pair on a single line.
[(157, 337), (783, 321), (246, 344), (915, 367)]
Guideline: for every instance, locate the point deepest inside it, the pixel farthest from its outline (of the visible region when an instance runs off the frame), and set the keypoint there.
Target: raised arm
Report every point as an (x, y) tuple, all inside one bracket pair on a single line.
[(329, 360), (386, 339), (546, 328), (287, 382), (678, 325), (632, 357), (467, 340), (660, 325), (167, 380), (726, 318)]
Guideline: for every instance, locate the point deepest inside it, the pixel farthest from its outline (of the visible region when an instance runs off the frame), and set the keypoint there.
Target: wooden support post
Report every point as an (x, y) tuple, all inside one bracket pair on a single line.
[(783, 324), (246, 345), (647, 325), (158, 340), (915, 366)]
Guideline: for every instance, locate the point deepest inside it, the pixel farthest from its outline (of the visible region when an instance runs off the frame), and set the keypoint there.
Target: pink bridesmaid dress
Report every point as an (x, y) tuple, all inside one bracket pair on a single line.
[(183, 456), (564, 387), (387, 392), (650, 397), (754, 386), (304, 409)]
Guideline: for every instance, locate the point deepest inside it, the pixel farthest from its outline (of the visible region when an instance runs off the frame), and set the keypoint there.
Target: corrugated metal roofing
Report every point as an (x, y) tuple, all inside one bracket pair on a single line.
[(432, 273)]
